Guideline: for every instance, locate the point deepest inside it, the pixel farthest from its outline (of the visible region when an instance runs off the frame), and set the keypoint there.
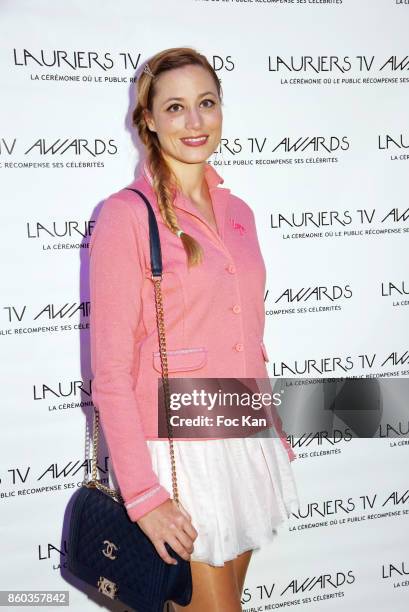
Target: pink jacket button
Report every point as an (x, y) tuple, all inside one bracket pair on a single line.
[(238, 346), (231, 268), (236, 308)]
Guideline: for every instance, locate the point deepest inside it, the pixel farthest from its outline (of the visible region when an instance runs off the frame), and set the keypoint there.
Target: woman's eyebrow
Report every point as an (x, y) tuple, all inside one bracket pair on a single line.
[(206, 93)]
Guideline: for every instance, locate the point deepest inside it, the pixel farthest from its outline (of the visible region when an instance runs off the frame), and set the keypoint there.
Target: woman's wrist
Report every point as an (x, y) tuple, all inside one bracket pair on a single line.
[(146, 501)]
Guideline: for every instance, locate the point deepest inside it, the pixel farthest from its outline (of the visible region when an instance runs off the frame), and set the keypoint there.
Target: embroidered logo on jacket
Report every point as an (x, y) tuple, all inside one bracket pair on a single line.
[(237, 226)]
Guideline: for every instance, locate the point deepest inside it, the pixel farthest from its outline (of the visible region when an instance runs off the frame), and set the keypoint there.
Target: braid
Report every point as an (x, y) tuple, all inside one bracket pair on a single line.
[(162, 186)]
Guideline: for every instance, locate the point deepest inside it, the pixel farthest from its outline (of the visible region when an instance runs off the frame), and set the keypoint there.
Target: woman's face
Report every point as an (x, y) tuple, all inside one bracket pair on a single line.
[(186, 105)]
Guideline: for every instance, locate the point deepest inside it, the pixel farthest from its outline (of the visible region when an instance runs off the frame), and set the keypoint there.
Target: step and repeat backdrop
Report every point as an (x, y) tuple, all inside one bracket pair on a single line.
[(316, 140)]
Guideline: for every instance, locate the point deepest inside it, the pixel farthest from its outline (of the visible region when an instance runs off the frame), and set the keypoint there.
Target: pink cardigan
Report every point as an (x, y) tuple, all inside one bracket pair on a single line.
[(214, 319)]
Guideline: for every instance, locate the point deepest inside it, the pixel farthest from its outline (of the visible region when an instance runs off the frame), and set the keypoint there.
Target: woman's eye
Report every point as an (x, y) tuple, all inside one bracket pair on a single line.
[(172, 106), (211, 102)]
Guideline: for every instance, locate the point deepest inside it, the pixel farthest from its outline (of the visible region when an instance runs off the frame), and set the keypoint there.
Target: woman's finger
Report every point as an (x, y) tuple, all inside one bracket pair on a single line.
[(163, 553), (175, 541)]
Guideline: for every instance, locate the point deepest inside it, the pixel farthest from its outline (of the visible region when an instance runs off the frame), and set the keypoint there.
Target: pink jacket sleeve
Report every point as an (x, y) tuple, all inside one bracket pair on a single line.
[(116, 277)]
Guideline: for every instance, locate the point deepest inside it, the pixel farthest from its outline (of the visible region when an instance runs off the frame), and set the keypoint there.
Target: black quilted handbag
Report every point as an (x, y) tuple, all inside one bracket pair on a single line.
[(105, 548)]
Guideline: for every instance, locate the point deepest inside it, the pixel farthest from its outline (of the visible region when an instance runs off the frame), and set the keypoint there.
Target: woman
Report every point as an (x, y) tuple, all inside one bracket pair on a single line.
[(234, 491)]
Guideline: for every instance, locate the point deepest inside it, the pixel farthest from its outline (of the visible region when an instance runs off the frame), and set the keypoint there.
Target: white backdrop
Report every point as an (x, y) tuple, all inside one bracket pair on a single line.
[(316, 140)]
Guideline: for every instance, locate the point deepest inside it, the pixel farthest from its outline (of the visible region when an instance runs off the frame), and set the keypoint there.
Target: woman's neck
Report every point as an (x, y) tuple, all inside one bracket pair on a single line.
[(191, 179)]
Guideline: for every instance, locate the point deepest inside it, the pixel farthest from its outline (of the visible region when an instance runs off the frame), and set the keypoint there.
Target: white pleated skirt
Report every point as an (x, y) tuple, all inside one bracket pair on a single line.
[(237, 491)]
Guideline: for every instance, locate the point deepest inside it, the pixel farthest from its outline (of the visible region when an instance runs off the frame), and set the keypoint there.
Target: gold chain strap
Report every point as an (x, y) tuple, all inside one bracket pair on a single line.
[(94, 482)]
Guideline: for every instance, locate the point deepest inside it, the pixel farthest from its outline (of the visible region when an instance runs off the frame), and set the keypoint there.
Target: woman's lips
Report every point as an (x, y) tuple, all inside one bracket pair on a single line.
[(195, 142)]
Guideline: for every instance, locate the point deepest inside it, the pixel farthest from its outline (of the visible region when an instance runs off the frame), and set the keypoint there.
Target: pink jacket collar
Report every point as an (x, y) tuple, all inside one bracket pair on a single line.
[(214, 179), (220, 197)]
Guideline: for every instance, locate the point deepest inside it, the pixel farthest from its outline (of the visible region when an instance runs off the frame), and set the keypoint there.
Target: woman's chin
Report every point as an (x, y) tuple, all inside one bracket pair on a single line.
[(196, 156)]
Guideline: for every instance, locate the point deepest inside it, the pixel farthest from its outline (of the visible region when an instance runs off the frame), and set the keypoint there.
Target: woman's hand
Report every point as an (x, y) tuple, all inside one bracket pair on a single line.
[(168, 523)]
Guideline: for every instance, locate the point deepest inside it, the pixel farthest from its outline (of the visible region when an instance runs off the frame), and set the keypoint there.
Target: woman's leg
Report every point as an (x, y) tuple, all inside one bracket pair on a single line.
[(215, 589), (241, 564)]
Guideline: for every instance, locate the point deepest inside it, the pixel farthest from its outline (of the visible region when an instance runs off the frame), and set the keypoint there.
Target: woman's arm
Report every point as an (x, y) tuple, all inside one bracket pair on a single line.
[(116, 277)]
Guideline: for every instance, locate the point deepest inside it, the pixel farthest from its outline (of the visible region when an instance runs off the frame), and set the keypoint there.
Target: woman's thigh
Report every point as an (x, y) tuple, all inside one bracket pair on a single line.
[(240, 565), (215, 589)]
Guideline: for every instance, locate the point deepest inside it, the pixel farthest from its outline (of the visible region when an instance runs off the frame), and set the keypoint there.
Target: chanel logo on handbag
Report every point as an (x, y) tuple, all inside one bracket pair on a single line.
[(107, 587), (109, 550)]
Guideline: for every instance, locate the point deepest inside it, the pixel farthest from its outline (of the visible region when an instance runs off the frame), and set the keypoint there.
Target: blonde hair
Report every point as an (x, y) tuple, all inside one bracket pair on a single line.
[(164, 181)]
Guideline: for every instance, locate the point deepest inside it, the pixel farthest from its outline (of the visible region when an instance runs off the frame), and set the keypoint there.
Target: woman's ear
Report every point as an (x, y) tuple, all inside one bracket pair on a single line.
[(149, 120)]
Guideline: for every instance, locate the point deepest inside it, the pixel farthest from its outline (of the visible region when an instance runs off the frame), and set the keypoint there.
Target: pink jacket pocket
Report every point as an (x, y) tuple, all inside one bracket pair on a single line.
[(182, 360)]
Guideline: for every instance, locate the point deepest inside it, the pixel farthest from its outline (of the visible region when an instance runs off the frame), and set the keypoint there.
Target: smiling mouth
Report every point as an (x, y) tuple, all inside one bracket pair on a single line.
[(195, 142)]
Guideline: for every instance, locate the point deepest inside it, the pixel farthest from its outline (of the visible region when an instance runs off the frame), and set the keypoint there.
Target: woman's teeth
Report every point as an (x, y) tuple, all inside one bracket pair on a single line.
[(194, 141)]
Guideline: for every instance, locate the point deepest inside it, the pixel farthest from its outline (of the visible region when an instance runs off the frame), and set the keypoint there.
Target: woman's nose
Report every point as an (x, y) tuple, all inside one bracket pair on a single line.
[(193, 118)]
